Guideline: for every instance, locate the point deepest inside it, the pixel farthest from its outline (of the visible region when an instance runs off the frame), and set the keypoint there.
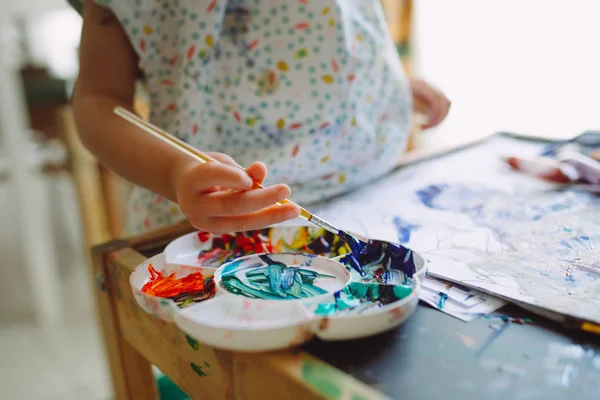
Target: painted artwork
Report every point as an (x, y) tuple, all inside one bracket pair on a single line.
[(486, 231)]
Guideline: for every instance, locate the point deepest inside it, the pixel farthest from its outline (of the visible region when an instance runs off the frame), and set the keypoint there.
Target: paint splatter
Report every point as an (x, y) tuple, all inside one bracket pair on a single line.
[(322, 378), (198, 369), (491, 339), (185, 291), (192, 342)]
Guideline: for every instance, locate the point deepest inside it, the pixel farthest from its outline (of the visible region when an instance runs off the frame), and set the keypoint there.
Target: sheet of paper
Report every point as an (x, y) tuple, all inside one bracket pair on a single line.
[(488, 228)]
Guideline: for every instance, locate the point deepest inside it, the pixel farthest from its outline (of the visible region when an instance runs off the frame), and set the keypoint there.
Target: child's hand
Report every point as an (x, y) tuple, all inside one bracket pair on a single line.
[(429, 101), (205, 196)]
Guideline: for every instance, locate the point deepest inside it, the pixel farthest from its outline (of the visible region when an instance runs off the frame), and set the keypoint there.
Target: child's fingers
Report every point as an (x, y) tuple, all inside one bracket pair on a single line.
[(224, 158), (202, 177), (226, 203), (257, 171), (256, 220)]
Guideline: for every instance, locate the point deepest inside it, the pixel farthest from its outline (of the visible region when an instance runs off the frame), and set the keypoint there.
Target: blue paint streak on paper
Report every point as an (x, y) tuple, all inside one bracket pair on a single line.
[(442, 300), (404, 229)]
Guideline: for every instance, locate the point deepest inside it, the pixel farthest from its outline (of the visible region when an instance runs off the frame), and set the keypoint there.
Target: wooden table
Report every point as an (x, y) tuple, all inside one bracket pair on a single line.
[(430, 356)]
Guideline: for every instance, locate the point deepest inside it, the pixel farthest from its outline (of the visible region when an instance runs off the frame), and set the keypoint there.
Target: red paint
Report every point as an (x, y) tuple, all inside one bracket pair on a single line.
[(203, 237), (191, 51), (327, 177), (303, 1), (228, 246), (143, 45), (167, 82), (324, 125), (211, 6), (169, 287), (171, 107), (301, 25), (334, 66), (194, 129), (173, 60), (350, 77), (295, 151), (271, 78), (253, 44), (159, 199), (146, 223), (295, 125), (237, 116)]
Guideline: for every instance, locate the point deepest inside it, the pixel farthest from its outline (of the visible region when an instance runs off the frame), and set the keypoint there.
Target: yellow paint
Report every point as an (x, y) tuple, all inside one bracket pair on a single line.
[(280, 123), (360, 37), (342, 179), (353, 121), (327, 78), (174, 210), (210, 41), (251, 121), (148, 30), (589, 327), (332, 22), (282, 66), (325, 159), (326, 10)]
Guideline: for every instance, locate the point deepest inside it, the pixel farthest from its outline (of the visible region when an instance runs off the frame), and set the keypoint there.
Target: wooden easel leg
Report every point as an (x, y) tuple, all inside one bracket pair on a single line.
[(131, 373)]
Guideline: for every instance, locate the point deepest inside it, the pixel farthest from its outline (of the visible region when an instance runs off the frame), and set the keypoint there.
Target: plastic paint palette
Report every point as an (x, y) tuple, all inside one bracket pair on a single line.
[(277, 299)]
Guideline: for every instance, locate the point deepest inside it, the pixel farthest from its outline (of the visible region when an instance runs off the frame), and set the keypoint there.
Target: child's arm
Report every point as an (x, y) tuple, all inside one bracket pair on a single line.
[(108, 69)]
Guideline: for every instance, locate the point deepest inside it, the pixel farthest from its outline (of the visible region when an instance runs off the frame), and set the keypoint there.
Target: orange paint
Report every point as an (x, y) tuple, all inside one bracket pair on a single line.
[(237, 116), (253, 44), (334, 66), (301, 25), (295, 125), (169, 287), (194, 129), (143, 45), (167, 82), (191, 51), (211, 6), (350, 77), (295, 150)]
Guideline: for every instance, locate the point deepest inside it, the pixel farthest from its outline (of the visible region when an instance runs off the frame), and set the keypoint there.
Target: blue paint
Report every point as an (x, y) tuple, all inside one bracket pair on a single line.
[(404, 229), (495, 335), (442, 300)]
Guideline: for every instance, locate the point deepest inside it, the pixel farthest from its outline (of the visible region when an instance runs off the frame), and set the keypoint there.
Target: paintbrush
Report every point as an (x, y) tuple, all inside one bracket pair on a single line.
[(180, 145)]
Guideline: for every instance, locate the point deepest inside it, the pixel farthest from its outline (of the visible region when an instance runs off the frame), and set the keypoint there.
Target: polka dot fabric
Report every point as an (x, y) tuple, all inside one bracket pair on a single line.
[(313, 88)]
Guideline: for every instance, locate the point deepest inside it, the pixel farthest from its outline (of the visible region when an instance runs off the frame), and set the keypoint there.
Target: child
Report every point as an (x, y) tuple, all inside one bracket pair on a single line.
[(311, 88)]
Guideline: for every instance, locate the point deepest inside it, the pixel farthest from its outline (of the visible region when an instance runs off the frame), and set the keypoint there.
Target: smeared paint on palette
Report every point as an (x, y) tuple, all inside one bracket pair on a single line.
[(184, 291), (374, 261), (359, 297), (271, 299), (265, 277)]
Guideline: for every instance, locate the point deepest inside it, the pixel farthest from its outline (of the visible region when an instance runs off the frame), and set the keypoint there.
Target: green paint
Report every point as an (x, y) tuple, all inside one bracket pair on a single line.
[(357, 396), (402, 291), (192, 342), (322, 378), (198, 370), (207, 364)]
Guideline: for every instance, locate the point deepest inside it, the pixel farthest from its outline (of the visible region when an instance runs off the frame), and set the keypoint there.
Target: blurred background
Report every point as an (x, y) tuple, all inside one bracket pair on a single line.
[(530, 67)]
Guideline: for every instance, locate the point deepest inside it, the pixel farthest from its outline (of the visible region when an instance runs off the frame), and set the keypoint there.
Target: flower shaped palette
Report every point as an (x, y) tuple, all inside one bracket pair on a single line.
[(278, 287)]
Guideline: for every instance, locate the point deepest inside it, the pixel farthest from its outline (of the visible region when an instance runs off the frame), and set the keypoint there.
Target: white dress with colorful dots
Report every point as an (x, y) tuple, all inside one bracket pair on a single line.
[(313, 88)]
